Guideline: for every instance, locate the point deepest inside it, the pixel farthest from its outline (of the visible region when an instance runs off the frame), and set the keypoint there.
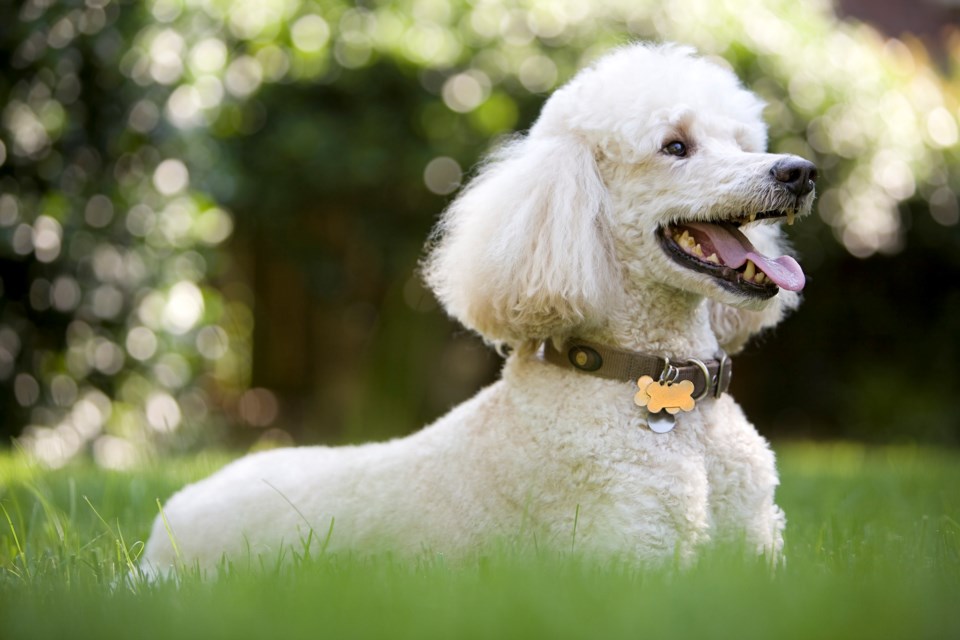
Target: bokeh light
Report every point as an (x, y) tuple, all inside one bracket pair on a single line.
[(123, 329), (442, 175)]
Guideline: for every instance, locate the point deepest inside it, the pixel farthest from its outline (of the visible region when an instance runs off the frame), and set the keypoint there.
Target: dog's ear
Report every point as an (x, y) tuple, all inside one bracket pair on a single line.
[(734, 326), (524, 252)]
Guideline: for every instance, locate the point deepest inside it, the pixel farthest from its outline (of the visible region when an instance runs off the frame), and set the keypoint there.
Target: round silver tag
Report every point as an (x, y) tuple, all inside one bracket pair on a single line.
[(661, 422)]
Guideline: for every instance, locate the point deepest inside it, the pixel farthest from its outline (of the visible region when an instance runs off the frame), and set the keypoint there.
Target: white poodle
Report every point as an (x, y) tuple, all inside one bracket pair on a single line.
[(608, 250)]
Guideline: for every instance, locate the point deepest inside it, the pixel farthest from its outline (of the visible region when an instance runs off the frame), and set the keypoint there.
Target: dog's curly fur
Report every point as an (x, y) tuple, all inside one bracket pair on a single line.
[(554, 237)]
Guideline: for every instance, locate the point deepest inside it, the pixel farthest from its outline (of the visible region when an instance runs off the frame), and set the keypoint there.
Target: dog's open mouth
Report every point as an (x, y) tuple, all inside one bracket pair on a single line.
[(720, 250)]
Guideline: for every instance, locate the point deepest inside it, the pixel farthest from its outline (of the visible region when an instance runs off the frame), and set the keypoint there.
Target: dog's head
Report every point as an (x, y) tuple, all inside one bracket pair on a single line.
[(647, 168)]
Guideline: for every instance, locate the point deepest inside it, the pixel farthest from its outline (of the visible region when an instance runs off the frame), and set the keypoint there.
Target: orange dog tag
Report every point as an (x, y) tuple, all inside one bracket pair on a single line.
[(656, 396)]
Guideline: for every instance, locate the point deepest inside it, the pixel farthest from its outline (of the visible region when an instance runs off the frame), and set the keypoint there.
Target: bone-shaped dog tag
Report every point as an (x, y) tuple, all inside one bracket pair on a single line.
[(657, 396), (663, 401)]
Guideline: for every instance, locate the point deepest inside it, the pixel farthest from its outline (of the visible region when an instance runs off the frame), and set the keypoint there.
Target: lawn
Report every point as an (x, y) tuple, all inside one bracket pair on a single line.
[(873, 550)]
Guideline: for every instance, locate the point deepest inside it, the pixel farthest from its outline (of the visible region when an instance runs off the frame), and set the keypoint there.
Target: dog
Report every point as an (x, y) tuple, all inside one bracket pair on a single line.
[(619, 251)]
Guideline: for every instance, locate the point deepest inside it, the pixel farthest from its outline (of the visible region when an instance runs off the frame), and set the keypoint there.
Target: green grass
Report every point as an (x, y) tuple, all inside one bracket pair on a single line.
[(873, 548)]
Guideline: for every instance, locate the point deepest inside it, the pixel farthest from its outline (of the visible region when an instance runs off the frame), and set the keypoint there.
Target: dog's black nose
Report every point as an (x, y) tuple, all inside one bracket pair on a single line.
[(796, 174)]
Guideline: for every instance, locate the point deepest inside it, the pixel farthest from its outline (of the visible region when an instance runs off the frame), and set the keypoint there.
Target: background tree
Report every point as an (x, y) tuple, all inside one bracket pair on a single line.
[(211, 211)]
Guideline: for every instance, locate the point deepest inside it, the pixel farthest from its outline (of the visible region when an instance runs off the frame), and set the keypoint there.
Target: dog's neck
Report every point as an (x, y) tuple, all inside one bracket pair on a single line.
[(660, 320)]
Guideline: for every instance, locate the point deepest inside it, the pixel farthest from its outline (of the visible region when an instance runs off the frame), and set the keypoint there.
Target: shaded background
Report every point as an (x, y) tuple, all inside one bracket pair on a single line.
[(211, 212)]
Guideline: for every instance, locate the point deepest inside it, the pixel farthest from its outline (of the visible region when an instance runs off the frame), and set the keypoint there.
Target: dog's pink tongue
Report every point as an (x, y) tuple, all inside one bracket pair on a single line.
[(734, 249)]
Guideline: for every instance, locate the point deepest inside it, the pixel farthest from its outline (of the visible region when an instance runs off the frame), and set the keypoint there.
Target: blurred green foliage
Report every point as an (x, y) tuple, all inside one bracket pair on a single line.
[(211, 210)]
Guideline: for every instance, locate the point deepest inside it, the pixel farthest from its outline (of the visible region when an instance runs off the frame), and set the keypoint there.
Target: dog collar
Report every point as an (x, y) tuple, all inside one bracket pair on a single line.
[(663, 386)]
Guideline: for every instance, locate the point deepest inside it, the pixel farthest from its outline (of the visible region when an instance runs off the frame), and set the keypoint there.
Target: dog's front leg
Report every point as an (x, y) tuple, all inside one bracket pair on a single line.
[(743, 478)]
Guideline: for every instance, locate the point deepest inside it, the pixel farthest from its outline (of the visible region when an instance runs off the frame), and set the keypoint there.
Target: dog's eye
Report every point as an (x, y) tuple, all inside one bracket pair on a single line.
[(675, 148)]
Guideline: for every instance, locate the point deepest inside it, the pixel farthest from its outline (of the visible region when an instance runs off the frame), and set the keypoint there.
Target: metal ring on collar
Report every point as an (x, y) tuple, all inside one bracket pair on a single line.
[(724, 358), (706, 378), (669, 374)]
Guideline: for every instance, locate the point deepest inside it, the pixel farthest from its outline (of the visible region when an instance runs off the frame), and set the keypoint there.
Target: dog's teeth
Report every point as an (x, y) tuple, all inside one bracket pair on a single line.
[(698, 251), (790, 217), (760, 277), (713, 258), (688, 243), (749, 271)]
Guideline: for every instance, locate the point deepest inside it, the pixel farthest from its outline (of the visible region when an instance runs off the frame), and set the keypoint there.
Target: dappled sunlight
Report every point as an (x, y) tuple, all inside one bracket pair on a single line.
[(116, 179)]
